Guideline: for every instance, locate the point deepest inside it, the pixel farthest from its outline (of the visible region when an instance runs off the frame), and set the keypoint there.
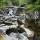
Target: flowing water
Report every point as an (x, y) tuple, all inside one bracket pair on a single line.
[(16, 36), (13, 35)]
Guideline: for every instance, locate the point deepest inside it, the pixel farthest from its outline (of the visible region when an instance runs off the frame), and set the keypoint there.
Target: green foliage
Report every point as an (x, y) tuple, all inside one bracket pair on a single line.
[(30, 5), (4, 3), (15, 2)]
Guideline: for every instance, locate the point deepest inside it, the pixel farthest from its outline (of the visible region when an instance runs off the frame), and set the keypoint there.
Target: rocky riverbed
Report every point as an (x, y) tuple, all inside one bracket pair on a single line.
[(12, 26)]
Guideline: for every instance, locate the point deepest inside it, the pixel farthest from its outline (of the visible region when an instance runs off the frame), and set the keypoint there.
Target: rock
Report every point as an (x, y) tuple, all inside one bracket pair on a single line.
[(11, 22), (32, 15), (15, 30)]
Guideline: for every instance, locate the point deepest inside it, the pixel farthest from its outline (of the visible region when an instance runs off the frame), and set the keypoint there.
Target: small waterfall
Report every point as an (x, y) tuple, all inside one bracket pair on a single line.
[(18, 33)]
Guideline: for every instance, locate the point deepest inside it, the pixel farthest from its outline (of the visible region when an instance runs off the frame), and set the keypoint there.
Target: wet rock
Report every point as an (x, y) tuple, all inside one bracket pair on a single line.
[(14, 30), (7, 23), (32, 15), (8, 31)]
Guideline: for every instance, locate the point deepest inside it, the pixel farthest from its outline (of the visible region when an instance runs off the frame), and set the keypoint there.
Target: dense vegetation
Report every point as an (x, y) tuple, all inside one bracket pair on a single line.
[(30, 5)]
